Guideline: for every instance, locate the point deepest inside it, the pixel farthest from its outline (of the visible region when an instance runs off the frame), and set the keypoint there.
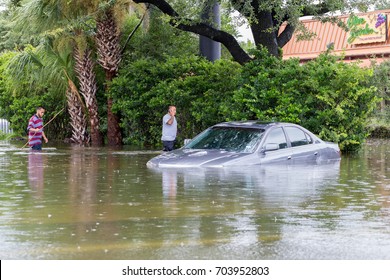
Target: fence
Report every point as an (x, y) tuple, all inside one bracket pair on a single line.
[(5, 126)]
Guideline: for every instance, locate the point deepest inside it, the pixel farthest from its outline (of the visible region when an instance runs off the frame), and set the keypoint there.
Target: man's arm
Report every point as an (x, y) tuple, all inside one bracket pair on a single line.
[(44, 137), (170, 121)]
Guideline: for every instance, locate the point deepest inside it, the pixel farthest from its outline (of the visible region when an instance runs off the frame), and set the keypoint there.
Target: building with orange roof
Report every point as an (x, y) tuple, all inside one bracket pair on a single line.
[(367, 39)]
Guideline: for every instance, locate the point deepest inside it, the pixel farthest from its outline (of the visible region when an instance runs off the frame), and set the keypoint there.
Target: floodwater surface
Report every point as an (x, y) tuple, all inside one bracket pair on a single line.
[(98, 203)]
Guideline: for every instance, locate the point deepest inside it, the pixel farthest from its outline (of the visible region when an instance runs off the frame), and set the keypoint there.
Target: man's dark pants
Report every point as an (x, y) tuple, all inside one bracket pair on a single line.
[(37, 147), (168, 145)]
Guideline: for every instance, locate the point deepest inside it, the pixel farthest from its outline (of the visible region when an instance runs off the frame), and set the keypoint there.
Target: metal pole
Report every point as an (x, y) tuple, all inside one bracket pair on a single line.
[(208, 47)]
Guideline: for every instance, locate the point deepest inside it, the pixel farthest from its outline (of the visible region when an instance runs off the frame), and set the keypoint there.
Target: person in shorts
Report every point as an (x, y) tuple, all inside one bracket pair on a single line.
[(35, 130)]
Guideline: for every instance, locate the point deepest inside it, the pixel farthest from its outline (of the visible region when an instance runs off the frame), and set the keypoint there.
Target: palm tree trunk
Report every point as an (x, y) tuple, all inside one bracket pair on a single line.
[(109, 57), (84, 69), (78, 119)]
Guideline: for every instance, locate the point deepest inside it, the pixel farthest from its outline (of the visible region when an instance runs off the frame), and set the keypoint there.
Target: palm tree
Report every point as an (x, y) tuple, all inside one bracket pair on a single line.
[(62, 20), (49, 16), (109, 57), (75, 105), (76, 110), (86, 75)]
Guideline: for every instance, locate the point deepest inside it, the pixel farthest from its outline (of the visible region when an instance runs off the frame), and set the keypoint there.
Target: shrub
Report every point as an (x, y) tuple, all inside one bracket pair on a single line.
[(331, 98)]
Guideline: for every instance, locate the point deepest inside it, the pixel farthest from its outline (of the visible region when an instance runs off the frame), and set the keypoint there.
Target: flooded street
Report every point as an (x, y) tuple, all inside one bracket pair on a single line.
[(89, 203)]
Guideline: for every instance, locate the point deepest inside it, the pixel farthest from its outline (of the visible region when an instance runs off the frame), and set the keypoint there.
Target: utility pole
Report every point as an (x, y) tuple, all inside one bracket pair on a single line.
[(210, 15)]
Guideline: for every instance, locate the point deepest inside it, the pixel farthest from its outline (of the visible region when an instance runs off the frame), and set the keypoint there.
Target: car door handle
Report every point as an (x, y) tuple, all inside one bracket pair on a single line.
[(289, 157), (316, 153)]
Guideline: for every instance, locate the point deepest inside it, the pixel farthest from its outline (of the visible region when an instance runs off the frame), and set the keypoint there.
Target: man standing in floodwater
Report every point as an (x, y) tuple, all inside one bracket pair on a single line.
[(35, 130), (169, 129)]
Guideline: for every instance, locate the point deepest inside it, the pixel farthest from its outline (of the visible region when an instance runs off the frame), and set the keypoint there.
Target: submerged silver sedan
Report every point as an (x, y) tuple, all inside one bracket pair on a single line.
[(248, 143)]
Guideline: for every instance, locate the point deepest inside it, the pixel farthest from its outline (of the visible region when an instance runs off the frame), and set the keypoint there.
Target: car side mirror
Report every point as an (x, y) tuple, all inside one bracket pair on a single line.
[(186, 141), (271, 147)]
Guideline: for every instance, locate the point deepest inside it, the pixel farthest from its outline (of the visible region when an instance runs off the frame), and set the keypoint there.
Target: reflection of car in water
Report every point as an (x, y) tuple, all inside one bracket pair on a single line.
[(249, 143), (280, 184)]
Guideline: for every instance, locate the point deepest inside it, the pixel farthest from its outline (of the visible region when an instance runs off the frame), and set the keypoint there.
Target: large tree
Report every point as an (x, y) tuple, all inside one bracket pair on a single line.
[(265, 17)]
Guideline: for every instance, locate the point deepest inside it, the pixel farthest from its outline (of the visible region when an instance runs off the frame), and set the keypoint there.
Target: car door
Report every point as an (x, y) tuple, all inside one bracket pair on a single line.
[(275, 148), (302, 145)]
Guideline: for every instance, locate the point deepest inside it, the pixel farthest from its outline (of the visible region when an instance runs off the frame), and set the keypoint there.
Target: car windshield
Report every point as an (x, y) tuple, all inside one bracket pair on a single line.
[(232, 139)]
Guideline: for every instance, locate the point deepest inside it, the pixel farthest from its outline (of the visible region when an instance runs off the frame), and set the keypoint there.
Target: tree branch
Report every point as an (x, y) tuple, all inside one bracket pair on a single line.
[(285, 36), (202, 29), (134, 30)]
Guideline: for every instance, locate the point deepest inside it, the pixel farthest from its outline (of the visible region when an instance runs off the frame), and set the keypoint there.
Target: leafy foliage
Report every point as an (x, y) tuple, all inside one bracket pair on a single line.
[(158, 41), (331, 98), (23, 89), (379, 122)]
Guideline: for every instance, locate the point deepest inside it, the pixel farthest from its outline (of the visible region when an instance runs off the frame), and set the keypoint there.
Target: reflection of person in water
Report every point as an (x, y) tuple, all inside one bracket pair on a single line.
[(35, 173), (169, 183), (169, 189)]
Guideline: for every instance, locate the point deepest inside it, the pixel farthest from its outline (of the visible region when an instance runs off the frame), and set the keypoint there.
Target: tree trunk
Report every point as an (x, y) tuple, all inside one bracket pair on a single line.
[(109, 57), (78, 119), (84, 69), (114, 134), (262, 34)]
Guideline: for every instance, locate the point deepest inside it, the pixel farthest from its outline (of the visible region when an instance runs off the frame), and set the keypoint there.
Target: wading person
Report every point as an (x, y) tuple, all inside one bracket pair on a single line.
[(169, 129), (35, 130)]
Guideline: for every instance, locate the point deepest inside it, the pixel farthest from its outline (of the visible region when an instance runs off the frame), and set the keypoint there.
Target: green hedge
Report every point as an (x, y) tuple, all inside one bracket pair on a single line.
[(331, 98)]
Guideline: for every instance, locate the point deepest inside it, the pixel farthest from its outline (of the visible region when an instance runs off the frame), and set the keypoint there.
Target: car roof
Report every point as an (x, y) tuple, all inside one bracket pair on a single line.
[(250, 124)]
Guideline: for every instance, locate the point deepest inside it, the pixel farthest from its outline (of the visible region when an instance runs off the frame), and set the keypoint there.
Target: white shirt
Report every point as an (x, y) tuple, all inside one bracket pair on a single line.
[(169, 131)]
